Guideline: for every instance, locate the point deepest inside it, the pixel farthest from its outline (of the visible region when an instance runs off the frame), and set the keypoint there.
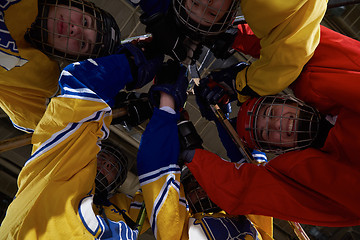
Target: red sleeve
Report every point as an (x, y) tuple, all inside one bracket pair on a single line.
[(302, 186), (330, 80), (246, 41)]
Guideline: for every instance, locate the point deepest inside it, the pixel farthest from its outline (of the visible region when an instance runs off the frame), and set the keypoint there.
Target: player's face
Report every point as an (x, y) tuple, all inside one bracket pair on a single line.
[(276, 124), (70, 30), (108, 166), (207, 12)]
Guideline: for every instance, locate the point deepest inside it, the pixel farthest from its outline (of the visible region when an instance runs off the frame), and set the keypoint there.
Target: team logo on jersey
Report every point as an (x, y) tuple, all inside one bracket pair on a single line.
[(9, 53)]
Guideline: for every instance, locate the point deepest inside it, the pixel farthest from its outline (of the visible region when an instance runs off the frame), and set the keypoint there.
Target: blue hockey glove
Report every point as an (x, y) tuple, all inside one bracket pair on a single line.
[(142, 68), (172, 80)]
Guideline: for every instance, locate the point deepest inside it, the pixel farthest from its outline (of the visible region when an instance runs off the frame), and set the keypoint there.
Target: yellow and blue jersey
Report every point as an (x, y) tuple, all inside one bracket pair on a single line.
[(56, 185), (28, 78), (159, 175)]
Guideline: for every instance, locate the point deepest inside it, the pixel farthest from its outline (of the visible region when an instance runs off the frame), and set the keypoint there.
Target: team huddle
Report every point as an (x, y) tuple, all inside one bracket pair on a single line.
[(69, 187)]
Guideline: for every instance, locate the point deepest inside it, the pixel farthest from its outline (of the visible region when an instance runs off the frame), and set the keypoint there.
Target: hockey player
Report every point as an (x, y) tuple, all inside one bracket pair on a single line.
[(315, 178), (56, 186), (180, 27), (163, 182), (65, 29), (289, 34)]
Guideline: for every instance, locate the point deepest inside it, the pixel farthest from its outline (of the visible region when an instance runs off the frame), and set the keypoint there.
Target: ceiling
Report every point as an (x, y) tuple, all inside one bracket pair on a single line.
[(342, 16)]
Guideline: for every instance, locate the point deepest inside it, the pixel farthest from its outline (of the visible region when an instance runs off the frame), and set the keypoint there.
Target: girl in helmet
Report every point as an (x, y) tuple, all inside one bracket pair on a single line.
[(68, 30), (68, 187), (314, 175)]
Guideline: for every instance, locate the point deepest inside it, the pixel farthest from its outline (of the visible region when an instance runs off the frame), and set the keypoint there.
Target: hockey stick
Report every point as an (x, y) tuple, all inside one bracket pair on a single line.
[(25, 139)]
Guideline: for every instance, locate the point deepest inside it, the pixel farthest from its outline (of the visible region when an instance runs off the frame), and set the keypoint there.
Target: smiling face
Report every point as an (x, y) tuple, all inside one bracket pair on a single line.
[(70, 30), (276, 124), (207, 12)]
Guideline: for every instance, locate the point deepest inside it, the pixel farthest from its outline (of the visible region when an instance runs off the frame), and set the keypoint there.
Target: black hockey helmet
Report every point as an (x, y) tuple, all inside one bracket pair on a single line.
[(205, 19), (105, 33), (195, 195), (112, 168)]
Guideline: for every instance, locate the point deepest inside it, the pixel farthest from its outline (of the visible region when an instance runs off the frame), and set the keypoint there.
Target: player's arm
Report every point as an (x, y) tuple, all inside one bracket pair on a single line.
[(289, 35), (288, 180), (157, 159)]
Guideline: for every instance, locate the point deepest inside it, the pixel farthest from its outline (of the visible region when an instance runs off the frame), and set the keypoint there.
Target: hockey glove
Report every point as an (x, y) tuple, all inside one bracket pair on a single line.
[(168, 38), (227, 78), (222, 46), (189, 141), (207, 93), (172, 80), (143, 70), (137, 106)]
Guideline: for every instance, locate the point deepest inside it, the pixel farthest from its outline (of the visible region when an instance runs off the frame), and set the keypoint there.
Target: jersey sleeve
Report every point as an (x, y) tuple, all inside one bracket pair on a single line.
[(159, 176), (289, 35), (54, 186), (303, 186)]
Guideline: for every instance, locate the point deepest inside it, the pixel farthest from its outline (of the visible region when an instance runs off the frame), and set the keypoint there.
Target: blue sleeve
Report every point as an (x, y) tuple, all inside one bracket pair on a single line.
[(161, 131), (104, 76)]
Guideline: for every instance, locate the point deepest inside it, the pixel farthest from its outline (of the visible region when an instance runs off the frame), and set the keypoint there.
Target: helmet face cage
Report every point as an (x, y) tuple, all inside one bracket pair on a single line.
[(195, 194), (206, 18), (279, 124), (73, 30), (111, 171)]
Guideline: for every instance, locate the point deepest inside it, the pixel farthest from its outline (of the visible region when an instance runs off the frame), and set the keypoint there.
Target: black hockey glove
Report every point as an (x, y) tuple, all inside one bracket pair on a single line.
[(222, 45), (172, 80), (227, 78), (137, 106), (143, 69), (207, 93), (189, 140), (168, 38)]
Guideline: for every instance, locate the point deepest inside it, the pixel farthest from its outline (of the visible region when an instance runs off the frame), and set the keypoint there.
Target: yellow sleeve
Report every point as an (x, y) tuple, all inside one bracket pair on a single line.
[(289, 33), (166, 207)]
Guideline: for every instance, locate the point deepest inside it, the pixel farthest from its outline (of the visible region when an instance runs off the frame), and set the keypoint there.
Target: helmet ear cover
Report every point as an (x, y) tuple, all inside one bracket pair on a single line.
[(198, 200), (118, 162), (306, 123), (107, 30)]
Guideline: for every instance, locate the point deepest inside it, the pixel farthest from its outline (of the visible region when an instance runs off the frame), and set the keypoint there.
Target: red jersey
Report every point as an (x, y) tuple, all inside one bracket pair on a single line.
[(311, 186)]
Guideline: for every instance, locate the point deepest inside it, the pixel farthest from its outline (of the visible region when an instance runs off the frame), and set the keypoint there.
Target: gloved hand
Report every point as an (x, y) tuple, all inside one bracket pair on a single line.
[(143, 69), (189, 141), (137, 106), (221, 47), (207, 93), (172, 80), (168, 38), (227, 78)]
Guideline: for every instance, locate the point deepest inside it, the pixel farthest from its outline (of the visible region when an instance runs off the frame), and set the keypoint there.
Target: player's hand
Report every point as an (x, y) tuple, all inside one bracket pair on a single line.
[(137, 106), (171, 79)]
